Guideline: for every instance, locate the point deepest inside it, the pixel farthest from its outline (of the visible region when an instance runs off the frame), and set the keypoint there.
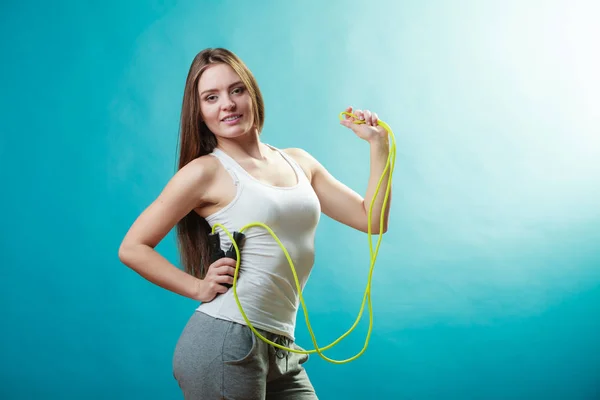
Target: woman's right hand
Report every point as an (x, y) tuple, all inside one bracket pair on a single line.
[(219, 273)]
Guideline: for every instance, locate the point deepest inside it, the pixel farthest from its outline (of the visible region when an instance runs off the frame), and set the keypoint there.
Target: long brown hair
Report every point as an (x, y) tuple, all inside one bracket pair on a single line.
[(197, 140)]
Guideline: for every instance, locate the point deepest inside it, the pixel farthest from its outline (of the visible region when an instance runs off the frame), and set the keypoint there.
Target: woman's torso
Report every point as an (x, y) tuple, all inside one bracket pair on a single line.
[(280, 196)]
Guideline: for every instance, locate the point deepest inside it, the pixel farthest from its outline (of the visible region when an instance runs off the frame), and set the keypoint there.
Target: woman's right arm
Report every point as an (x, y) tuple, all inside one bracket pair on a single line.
[(182, 194)]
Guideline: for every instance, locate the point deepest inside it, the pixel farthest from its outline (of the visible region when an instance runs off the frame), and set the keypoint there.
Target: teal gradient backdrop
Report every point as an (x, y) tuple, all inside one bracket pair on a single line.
[(488, 282)]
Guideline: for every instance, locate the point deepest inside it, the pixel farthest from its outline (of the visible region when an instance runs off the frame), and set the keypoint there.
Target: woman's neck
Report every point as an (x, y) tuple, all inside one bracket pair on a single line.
[(244, 147)]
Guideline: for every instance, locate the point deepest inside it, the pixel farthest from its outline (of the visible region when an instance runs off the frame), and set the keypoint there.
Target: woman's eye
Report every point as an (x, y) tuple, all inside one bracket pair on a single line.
[(238, 90), (211, 98)]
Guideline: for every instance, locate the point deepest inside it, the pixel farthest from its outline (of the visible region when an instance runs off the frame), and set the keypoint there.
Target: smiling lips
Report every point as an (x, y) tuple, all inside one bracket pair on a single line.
[(232, 119)]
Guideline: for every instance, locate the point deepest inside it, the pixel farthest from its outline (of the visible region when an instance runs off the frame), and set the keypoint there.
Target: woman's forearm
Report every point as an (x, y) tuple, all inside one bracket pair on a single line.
[(155, 268), (380, 149)]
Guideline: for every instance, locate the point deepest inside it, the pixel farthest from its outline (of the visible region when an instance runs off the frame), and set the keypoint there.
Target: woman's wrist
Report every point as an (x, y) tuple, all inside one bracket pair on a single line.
[(199, 290), (382, 142)]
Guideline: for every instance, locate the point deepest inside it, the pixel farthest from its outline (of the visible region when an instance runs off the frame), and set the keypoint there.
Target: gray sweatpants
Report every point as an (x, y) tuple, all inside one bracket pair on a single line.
[(217, 359)]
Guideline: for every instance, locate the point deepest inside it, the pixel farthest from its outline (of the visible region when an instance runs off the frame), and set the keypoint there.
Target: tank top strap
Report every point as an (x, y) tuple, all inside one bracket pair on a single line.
[(229, 164), (294, 164)]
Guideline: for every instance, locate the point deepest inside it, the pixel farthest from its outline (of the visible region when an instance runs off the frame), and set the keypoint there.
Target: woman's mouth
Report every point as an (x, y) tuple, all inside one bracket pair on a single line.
[(233, 119)]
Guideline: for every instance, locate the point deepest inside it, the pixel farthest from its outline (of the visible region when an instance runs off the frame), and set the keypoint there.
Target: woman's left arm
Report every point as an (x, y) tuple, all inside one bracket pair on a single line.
[(337, 200)]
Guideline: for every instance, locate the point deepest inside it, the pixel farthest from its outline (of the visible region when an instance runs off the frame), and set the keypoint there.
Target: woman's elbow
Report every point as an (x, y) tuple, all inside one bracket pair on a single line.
[(382, 231), (376, 229), (126, 253)]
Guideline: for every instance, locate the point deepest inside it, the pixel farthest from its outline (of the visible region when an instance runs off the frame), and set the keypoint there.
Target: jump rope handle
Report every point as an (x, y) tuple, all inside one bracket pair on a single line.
[(216, 252)]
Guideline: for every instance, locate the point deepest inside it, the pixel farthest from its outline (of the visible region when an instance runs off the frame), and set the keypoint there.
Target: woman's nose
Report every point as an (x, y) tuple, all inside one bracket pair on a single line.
[(228, 104)]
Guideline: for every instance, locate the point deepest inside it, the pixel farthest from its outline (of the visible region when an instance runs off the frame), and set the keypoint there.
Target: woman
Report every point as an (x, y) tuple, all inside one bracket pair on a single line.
[(227, 175)]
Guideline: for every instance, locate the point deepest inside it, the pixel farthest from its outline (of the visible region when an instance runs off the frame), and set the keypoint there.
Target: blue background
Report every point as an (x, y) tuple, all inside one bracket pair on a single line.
[(487, 284)]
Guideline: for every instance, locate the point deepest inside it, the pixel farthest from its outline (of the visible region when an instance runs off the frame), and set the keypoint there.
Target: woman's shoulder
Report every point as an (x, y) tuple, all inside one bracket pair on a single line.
[(306, 161), (200, 170), (302, 156), (298, 154)]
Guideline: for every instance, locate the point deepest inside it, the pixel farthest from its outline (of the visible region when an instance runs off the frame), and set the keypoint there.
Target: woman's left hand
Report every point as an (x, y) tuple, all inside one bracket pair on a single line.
[(369, 130)]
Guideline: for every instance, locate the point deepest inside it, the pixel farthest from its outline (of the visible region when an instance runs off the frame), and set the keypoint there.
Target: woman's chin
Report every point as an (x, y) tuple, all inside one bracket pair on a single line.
[(234, 132)]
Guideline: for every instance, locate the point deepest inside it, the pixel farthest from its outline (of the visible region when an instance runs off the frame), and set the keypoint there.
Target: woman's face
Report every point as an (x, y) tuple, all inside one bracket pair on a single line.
[(225, 104)]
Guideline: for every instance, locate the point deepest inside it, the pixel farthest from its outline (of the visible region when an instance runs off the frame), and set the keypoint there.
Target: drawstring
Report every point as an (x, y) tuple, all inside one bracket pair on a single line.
[(280, 353)]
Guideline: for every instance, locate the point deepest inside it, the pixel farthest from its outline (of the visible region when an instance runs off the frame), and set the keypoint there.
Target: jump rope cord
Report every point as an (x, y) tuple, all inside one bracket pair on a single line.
[(373, 256)]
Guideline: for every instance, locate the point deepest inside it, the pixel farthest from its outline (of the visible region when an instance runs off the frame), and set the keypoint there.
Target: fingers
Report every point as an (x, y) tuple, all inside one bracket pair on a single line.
[(358, 113), (223, 266), (221, 273), (217, 287), (224, 270), (364, 115), (347, 117), (223, 261), (369, 117), (224, 279)]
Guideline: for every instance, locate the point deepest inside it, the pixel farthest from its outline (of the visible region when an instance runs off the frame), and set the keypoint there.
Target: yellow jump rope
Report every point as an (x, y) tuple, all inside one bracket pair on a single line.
[(367, 296)]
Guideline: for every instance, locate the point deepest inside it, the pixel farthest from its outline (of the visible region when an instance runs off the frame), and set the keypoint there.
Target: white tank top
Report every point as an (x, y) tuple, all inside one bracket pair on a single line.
[(265, 286)]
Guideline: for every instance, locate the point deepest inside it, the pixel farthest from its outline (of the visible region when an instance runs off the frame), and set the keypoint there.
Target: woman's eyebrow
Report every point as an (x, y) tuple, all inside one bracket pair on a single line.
[(214, 90)]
